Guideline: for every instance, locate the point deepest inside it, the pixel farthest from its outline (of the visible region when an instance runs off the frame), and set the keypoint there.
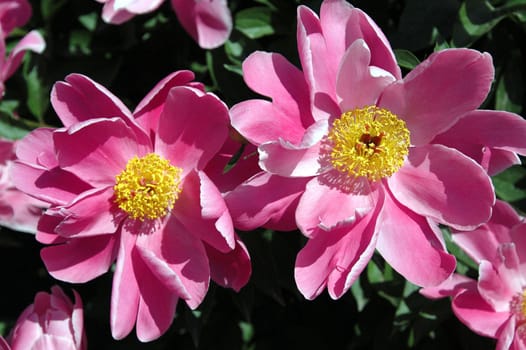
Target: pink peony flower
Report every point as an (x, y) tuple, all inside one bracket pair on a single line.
[(364, 158), (18, 211), (208, 22), (51, 322), (495, 305), (15, 13), (131, 188)]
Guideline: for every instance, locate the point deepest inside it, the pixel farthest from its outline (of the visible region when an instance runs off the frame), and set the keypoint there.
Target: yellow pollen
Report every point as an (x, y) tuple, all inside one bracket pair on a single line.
[(371, 142), (148, 187), (518, 306)]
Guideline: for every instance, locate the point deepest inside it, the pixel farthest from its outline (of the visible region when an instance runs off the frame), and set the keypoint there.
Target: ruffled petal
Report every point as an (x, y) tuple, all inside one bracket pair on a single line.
[(178, 259), (79, 98), (478, 315), (90, 214), (192, 128), (81, 259), (272, 204), (426, 185), (324, 205), (434, 95), (202, 209), (409, 244), (480, 132), (208, 22), (98, 150), (148, 110), (335, 258), (358, 84), (288, 115), (286, 159), (483, 242)]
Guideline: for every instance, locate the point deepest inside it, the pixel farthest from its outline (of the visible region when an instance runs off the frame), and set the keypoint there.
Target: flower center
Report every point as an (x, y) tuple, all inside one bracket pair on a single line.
[(518, 309), (371, 142), (148, 187)]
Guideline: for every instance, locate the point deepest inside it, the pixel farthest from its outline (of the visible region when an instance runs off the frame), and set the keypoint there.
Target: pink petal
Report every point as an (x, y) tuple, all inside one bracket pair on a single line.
[(208, 22), (81, 259), (148, 110), (324, 205), (202, 210), (125, 289), (46, 228), (232, 269), (178, 259), (54, 186), (115, 16), (434, 95), (494, 289), (426, 185), (286, 159), (483, 242), (480, 130), (98, 150), (14, 13), (137, 6), (90, 214), (335, 258), (33, 41), (288, 115), (77, 322), (192, 128), (508, 336), (518, 236), (3, 344), (79, 98), (410, 245), (37, 148), (314, 55), (478, 315), (25, 213), (358, 84), (272, 204), (452, 286), (156, 303)]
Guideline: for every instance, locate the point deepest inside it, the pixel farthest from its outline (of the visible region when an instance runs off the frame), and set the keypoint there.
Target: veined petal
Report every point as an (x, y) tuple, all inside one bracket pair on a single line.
[(273, 202), (409, 244), (434, 95), (426, 185)]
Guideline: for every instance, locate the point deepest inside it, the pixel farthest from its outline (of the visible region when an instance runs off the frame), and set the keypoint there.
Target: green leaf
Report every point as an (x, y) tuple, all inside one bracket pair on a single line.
[(49, 7), (254, 22), (89, 21), (37, 95), (11, 131), (506, 184), (510, 85), (406, 59), (476, 19)]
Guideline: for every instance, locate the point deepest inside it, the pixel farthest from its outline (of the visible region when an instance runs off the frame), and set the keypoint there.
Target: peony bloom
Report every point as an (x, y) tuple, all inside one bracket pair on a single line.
[(130, 188), (495, 305), (363, 158), (51, 322), (15, 13), (208, 22), (18, 211)]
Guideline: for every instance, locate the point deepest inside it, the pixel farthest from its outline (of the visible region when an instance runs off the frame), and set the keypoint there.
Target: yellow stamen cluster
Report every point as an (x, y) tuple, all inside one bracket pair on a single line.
[(148, 187), (371, 142)]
